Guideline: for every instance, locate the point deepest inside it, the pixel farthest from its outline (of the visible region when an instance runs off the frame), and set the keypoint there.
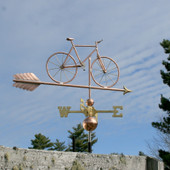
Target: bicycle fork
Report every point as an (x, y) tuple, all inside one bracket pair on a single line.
[(101, 63)]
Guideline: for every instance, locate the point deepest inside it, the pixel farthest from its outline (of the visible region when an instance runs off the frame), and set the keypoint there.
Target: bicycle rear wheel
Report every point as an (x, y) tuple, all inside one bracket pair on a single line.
[(59, 69), (108, 78)]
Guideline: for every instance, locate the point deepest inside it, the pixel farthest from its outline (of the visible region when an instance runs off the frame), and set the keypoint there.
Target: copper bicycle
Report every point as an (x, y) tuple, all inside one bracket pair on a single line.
[(62, 67)]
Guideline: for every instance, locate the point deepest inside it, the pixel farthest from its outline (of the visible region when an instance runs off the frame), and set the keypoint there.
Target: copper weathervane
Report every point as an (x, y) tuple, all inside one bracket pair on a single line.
[(62, 68)]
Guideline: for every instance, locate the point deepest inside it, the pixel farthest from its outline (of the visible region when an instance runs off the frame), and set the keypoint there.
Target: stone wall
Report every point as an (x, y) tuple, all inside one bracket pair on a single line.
[(29, 159)]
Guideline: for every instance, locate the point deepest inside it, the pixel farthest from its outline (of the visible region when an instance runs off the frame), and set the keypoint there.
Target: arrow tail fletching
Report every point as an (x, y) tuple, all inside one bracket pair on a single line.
[(26, 76), (30, 86)]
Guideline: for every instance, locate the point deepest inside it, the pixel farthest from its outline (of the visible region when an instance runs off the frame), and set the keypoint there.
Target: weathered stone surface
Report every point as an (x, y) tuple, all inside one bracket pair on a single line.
[(27, 159)]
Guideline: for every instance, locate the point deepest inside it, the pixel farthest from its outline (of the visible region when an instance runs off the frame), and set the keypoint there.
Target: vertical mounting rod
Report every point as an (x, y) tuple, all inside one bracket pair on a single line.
[(74, 145), (89, 77), (89, 142)]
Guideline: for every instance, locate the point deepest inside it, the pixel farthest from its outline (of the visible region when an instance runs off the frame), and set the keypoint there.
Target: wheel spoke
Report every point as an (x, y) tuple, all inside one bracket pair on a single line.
[(112, 69), (54, 63), (69, 71), (108, 65), (56, 73), (61, 76), (110, 78), (101, 78), (113, 74), (99, 74), (106, 80), (58, 60), (65, 75), (62, 58), (53, 68)]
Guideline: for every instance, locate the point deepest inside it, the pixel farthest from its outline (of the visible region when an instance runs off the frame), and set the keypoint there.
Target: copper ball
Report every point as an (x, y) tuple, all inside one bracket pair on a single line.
[(90, 102), (90, 123)]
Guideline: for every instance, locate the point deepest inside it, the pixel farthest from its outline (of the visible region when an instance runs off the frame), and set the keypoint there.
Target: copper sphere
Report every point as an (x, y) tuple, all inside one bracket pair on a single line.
[(90, 123), (90, 102)]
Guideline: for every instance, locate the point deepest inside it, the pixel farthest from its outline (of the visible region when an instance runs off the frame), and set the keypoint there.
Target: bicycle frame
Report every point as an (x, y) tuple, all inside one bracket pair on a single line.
[(62, 67), (82, 62)]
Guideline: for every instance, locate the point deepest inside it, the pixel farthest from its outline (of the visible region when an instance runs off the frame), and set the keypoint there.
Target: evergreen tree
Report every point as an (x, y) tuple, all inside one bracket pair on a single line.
[(164, 125), (58, 146), (142, 153), (41, 142), (81, 139)]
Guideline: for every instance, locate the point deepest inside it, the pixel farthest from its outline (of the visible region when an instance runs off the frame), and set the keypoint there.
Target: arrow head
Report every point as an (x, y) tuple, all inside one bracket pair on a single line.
[(126, 90)]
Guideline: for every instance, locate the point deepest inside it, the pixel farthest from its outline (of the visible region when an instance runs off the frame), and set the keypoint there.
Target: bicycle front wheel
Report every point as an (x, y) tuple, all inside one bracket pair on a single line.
[(61, 67), (106, 78)]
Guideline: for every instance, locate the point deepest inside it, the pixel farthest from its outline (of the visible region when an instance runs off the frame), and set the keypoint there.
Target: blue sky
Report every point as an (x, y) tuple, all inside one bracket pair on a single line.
[(30, 31)]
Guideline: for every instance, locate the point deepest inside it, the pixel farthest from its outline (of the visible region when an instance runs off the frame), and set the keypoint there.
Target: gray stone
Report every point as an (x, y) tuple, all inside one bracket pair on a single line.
[(27, 159)]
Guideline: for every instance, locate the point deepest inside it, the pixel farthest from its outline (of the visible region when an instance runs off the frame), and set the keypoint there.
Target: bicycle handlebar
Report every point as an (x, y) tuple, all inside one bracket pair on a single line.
[(99, 41)]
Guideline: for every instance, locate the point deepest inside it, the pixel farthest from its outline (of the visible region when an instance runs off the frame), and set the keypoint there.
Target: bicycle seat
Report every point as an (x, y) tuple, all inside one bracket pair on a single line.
[(70, 39)]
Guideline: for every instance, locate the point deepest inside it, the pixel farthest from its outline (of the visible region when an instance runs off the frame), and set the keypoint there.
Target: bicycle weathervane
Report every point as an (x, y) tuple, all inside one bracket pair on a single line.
[(62, 68)]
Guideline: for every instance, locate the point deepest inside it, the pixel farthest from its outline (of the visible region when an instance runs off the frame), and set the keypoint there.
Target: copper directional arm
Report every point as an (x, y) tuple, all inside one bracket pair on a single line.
[(89, 111)]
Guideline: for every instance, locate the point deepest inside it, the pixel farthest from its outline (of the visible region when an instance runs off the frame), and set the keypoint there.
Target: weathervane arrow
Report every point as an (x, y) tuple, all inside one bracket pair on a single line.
[(29, 81)]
